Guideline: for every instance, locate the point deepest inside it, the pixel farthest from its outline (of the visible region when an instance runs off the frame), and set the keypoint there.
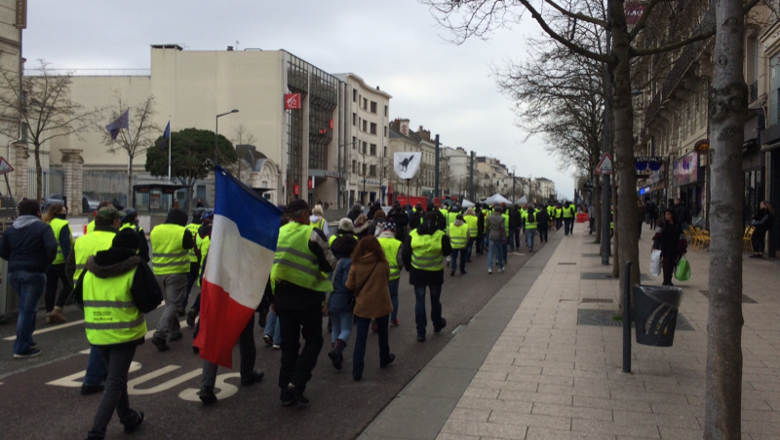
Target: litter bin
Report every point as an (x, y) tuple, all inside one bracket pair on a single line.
[(655, 314)]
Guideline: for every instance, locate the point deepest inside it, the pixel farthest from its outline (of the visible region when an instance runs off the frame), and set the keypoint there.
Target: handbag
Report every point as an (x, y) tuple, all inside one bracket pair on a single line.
[(683, 270), (655, 263), (353, 300)]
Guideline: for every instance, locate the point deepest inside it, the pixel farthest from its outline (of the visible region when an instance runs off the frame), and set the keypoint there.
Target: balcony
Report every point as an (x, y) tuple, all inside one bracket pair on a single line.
[(753, 94)]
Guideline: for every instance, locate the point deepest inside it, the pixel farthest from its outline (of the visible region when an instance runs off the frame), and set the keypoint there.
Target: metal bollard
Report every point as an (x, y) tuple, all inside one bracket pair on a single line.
[(627, 319)]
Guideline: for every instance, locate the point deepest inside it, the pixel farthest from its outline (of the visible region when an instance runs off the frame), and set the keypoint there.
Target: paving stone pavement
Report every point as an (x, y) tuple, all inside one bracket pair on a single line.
[(545, 377)]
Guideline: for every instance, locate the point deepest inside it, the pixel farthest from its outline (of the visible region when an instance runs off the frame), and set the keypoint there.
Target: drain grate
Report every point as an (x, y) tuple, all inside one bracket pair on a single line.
[(597, 300), (567, 264), (603, 318), (745, 299)]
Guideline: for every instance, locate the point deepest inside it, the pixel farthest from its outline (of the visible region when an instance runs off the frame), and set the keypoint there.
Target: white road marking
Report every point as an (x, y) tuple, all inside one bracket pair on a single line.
[(49, 329)]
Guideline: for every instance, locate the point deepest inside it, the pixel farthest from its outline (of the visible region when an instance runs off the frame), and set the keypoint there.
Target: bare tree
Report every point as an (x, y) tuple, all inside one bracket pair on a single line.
[(242, 137), (135, 140), (43, 102)]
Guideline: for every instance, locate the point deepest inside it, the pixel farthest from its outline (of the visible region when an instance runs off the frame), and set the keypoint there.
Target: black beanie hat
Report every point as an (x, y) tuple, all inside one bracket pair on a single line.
[(126, 239)]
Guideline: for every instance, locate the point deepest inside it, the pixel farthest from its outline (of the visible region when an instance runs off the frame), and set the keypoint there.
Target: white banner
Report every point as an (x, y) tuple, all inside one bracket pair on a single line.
[(406, 165)]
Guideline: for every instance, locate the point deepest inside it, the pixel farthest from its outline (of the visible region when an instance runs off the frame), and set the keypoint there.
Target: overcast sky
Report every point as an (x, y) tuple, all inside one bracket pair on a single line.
[(394, 44)]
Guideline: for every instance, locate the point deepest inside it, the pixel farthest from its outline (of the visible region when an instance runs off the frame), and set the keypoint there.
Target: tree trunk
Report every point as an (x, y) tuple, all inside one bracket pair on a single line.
[(597, 206), (38, 173), (728, 107), (623, 113), (129, 181), (615, 234)]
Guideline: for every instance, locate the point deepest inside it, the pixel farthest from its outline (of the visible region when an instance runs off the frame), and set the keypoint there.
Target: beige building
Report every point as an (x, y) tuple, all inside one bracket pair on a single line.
[(297, 153), (11, 24), (367, 135)]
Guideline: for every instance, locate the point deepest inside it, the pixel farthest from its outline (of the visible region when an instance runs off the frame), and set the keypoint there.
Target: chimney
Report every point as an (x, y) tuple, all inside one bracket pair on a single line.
[(230, 48)]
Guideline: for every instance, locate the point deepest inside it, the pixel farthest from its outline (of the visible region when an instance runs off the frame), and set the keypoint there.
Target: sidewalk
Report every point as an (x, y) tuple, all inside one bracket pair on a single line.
[(546, 377)]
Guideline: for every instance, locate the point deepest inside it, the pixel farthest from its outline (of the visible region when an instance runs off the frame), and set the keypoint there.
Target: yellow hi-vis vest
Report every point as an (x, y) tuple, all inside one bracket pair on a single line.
[(168, 255), (294, 262), (90, 226), (87, 246), (320, 224), (459, 236), (558, 212), (568, 212), (505, 214), (473, 223), (391, 246), (426, 251), (333, 237), (110, 316), (56, 225), (193, 228), (528, 223), (203, 245)]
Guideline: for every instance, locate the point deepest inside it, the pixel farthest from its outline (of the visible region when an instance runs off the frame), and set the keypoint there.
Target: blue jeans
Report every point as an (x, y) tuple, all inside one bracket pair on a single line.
[(30, 287), (272, 327), (454, 255), (469, 248), (505, 252), (529, 238), (542, 235), (568, 225), (514, 238), (359, 354), (419, 307), (393, 287), (96, 368), (494, 251), (342, 326)]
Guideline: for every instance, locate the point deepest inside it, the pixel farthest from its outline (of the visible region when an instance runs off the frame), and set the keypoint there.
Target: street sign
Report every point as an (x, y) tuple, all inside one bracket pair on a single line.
[(292, 101), (605, 165), (5, 167)]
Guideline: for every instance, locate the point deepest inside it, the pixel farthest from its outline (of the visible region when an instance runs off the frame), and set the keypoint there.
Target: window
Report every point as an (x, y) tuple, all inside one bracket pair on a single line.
[(365, 146), (385, 110), (354, 142), (354, 118), (384, 151), (373, 107), (354, 95), (385, 130), (365, 125), (365, 104), (372, 171), (354, 166), (373, 149), (364, 170), (373, 128)]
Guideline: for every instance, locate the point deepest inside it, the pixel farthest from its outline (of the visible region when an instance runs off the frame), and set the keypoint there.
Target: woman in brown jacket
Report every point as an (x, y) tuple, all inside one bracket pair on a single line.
[(368, 278)]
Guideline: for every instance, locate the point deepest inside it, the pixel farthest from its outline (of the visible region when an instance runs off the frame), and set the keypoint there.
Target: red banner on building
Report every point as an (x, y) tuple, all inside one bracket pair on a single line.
[(292, 101)]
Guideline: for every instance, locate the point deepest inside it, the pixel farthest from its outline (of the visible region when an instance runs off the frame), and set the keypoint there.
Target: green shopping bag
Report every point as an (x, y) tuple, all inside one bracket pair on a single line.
[(683, 270)]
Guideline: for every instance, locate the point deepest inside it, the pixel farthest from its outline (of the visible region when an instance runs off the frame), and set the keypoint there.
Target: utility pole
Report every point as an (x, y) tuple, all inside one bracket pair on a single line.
[(436, 172)]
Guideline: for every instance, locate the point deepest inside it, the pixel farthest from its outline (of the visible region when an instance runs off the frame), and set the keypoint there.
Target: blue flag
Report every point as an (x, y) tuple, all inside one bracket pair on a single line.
[(166, 135), (121, 122)]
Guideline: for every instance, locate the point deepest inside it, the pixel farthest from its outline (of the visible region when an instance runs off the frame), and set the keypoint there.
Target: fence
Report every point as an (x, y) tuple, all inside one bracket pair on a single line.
[(106, 185), (51, 180)]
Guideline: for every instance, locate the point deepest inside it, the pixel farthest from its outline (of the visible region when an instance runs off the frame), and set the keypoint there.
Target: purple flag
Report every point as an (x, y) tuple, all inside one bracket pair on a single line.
[(120, 123)]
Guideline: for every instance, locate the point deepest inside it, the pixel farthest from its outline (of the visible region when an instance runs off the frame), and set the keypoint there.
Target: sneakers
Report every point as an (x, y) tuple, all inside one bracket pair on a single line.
[(176, 337), (298, 394), (207, 395), (86, 390), (463, 272), (395, 322), (389, 361), (287, 397), (337, 358), (160, 344), (452, 274), (420, 338), (32, 352), (490, 271), (133, 427), (268, 340), (180, 311), (191, 315), (500, 269), (443, 324), (276, 347), (253, 378)]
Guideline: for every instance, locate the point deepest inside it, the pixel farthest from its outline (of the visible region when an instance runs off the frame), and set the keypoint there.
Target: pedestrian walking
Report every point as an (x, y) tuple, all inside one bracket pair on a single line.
[(203, 243), (472, 220), (762, 221), (171, 243), (569, 211), (393, 249), (368, 277), (591, 219), (115, 327), (130, 221), (317, 219), (459, 238), (515, 220), (56, 217), (652, 214), (345, 227), (302, 255), (374, 227), (670, 240), (30, 247), (558, 216), (340, 302), (361, 226), (496, 233), (195, 258), (543, 224), (423, 255), (531, 220), (355, 212)]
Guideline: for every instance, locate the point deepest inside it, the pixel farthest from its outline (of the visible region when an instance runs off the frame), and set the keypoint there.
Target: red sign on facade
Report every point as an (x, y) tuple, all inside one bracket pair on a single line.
[(296, 189), (292, 101), (331, 124)]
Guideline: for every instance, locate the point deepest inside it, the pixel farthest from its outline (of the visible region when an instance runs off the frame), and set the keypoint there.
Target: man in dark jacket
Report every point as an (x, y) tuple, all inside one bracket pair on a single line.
[(682, 216), (440, 220), (29, 247), (416, 218), (480, 229), (398, 216), (515, 220), (543, 223), (423, 255)]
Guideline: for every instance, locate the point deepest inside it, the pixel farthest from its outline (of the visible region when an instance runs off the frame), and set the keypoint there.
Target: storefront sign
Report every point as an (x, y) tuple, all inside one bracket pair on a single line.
[(658, 179), (292, 101), (686, 169)]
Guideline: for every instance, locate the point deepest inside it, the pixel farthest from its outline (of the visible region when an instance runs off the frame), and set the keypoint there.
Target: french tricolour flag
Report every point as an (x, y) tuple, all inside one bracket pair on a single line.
[(243, 244)]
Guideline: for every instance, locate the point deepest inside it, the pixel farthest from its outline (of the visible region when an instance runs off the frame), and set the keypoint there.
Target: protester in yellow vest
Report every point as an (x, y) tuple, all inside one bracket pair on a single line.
[(569, 211), (346, 227), (130, 221), (472, 220), (56, 218), (107, 222), (195, 258), (394, 252), (91, 225), (531, 224), (299, 286), (423, 255), (115, 283), (171, 242), (202, 242), (460, 235), (317, 220), (558, 216)]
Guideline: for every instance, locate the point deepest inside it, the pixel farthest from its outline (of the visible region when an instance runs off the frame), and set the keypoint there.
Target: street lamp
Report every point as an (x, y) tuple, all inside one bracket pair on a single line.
[(216, 133)]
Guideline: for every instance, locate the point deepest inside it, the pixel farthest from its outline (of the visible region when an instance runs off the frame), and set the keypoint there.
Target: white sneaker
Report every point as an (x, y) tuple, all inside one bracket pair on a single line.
[(500, 269), (490, 271)]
